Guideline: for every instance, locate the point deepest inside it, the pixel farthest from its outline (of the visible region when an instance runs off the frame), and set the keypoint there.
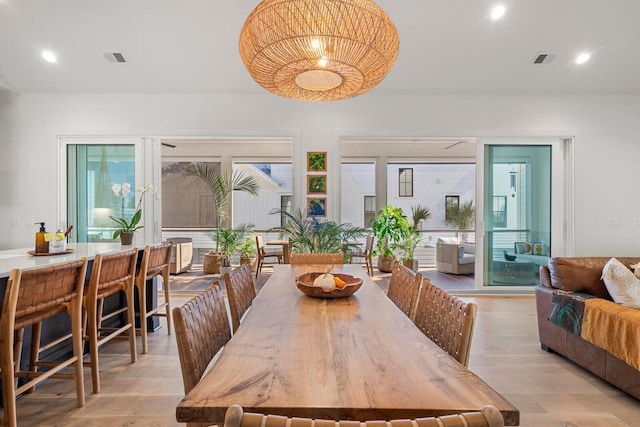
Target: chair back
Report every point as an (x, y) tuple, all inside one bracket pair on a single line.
[(446, 320), (317, 258), (38, 294), (488, 416), (240, 291), (404, 287), (202, 329), (112, 273), (260, 245), (368, 246), (155, 261)]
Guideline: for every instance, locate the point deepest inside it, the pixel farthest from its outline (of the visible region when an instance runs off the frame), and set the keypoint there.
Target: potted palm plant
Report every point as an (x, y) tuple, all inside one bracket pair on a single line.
[(418, 213), (310, 234), (247, 252), (390, 227), (462, 217), (221, 186)]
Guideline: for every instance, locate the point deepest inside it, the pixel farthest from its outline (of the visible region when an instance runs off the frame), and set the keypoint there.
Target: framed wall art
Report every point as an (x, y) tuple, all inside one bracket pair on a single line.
[(317, 184), (317, 206), (317, 161)]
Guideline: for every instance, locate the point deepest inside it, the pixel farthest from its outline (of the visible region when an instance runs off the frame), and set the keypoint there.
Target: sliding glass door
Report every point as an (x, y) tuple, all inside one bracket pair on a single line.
[(523, 210)]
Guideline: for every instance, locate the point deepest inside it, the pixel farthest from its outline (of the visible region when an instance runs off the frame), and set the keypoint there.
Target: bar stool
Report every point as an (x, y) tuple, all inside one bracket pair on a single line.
[(32, 296), (155, 262), (110, 274)]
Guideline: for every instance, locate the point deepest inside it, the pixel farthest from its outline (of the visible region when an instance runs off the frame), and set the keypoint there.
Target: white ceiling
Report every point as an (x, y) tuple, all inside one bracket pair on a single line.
[(446, 46)]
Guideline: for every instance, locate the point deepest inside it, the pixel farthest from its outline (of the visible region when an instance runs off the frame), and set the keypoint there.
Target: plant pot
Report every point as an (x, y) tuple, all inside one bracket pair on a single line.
[(385, 263), (251, 261), (212, 263), (411, 263), (126, 238)]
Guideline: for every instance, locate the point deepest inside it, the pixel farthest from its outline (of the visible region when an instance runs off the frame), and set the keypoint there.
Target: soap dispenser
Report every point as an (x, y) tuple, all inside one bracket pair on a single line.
[(42, 246)]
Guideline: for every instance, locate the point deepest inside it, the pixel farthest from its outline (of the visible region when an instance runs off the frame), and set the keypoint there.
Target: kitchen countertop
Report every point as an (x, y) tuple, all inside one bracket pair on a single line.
[(20, 258)]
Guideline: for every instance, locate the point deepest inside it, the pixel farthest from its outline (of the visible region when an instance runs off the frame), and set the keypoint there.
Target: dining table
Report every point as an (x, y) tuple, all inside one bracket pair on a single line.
[(285, 248), (354, 358)]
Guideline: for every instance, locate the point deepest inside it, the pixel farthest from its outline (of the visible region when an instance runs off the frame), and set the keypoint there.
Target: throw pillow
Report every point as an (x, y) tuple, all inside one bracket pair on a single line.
[(622, 284)]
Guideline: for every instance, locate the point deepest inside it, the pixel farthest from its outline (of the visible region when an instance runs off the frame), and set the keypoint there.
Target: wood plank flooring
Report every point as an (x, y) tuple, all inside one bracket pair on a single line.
[(548, 389)]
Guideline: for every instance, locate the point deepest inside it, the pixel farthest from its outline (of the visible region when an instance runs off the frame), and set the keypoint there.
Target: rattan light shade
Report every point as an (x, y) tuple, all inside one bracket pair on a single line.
[(318, 50)]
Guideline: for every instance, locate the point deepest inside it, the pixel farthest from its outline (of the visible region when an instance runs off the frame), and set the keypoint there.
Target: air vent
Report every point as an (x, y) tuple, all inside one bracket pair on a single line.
[(544, 58), (115, 57)]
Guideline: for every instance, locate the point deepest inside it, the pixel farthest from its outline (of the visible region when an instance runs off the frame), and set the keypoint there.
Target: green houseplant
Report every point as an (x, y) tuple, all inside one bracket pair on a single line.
[(390, 227), (128, 227), (247, 251), (310, 234), (418, 213)]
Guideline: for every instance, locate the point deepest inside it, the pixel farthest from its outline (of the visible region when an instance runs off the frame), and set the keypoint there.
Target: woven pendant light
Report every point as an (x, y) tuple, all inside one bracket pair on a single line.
[(318, 50)]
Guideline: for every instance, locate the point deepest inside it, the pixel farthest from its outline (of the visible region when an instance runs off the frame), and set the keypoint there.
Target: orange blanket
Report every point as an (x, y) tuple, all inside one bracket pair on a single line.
[(614, 328)]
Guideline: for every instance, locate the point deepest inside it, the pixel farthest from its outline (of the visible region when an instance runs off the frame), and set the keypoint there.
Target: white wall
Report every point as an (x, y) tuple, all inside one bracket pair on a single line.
[(606, 131)]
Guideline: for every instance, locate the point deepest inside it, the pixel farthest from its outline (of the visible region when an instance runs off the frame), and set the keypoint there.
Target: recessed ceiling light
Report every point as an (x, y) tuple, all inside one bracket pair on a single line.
[(497, 12), (582, 58), (49, 56)]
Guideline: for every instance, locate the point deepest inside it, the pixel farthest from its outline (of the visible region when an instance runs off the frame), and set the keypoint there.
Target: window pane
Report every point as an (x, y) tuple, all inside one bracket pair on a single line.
[(92, 170), (405, 182), (186, 201)]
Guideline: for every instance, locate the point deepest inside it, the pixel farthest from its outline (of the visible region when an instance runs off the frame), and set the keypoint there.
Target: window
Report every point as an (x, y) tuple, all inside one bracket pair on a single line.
[(451, 205), (405, 182), (369, 209), (499, 211)]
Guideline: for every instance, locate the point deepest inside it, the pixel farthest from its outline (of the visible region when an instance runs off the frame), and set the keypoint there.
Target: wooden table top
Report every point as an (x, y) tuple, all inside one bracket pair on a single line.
[(357, 358)]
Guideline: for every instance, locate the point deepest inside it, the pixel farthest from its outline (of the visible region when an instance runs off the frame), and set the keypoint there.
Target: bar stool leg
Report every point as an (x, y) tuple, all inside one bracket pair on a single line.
[(142, 312), (92, 325), (167, 300), (131, 317)]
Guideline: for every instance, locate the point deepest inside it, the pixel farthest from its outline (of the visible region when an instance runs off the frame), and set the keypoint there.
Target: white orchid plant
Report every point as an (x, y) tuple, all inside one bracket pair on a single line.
[(121, 191)]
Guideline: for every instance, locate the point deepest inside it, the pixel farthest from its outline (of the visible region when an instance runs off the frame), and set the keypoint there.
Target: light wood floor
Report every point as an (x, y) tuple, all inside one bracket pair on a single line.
[(548, 390)]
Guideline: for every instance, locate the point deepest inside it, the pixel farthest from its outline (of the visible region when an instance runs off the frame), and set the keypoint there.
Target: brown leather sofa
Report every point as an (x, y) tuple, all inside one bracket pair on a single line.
[(581, 274)]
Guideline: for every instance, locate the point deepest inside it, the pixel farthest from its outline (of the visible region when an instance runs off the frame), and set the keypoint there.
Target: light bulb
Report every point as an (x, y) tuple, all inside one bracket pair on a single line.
[(323, 61), (498, 12), (582, 58), (49, 56)]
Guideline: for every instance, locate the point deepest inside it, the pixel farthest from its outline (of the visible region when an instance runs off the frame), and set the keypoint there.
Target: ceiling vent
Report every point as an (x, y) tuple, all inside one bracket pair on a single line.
[(543, 58), (115, 57)]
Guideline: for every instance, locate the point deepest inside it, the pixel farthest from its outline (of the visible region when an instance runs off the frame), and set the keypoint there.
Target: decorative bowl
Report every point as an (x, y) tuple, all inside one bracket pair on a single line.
[(304, 282)]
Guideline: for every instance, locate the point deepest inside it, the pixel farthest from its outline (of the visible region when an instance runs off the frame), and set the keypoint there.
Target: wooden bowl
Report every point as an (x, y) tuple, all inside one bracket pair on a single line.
[(304, 282)]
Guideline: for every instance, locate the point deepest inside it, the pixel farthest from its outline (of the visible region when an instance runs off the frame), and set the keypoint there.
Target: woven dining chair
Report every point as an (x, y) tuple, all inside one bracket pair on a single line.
[(366, 254), (264, 254), (317, 258), (446, 320), (404, 287), (31, 297), (202, 329), (156, 261), (110, 274), (488, 416), (240, 292)]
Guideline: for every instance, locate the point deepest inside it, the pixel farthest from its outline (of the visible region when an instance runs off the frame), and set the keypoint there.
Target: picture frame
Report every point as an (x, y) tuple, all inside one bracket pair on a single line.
[(317, 184), (317, 206), (317, 161)]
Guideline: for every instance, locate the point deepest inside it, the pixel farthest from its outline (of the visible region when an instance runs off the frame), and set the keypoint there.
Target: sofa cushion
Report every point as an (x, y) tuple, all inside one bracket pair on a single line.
[(467, 259), (622, 284)]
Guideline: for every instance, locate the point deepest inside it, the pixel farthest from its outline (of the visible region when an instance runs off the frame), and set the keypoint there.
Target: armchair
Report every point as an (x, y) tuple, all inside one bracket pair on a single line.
[(454, 257)]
